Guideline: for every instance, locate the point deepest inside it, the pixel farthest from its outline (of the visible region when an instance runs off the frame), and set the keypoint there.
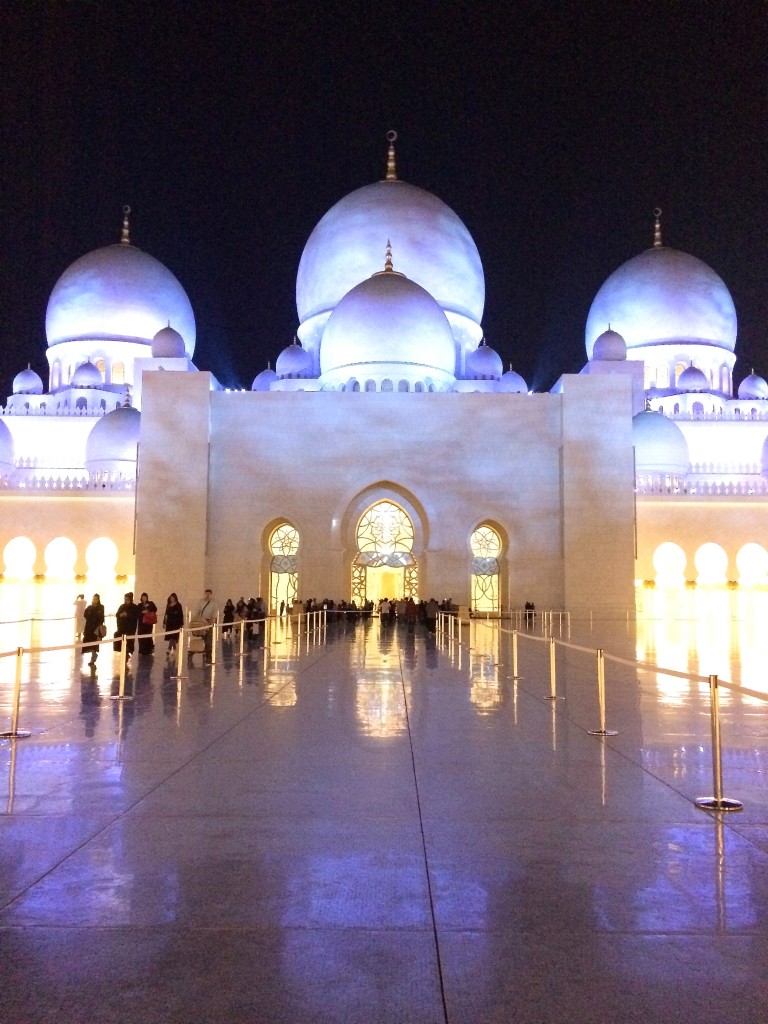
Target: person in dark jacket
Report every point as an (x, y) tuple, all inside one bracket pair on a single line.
[(228, 618), (127, 619), (147, 620), (172, 619), (92, 631)]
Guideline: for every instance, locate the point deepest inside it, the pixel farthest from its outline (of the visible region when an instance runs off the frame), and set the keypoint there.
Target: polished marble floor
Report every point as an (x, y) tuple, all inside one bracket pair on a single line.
[(370, 826)]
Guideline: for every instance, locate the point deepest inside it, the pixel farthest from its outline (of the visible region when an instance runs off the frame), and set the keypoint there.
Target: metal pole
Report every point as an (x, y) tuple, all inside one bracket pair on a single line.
[(602, 731), (242, 636), (552, 670), (717, 802), (121, 694), (15, 732), (214, 641), (181, 643), (515, 674)]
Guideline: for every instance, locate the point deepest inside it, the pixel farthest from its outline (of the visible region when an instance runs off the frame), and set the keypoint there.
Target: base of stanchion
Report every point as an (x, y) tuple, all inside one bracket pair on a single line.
[(124, 696), (711, 803), (550, 697), (603, 732), (20, 734)]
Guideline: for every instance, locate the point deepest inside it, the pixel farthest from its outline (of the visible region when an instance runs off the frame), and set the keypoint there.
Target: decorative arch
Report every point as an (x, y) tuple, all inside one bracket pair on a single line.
[(118, 373), (486, 546), (669, 561), (283, 542), (711, 563)]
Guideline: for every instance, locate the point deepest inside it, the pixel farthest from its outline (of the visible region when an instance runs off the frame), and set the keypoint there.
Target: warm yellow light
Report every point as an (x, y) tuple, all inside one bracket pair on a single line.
[(711, 564), (752, 563), (101, 557), (669, 563), (19, 557), (60, 557)]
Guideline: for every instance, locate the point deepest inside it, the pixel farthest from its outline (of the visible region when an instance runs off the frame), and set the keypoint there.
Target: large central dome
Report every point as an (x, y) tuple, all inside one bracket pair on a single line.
[(118, 293), (433, 248)]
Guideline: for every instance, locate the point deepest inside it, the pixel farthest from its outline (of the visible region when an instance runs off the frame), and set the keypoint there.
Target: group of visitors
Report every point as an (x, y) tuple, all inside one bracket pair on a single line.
[(407, 612)]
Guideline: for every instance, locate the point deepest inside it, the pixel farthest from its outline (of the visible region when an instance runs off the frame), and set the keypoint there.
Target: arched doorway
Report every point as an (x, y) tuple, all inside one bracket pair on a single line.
[(384, 565), (284, 566), (485, 545)]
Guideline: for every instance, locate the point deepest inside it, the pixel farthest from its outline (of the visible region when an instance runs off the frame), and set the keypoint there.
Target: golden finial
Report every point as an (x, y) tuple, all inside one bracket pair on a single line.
[(125, 234), (391, 169), (657, 242), (127, 402), (388, 267)]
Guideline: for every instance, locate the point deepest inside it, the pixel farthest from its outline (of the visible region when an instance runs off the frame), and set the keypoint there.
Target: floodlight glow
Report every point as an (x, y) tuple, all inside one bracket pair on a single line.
[(101, 557), (19, 557), (752, 563), (669, 563), (711, 564), (60, 557)]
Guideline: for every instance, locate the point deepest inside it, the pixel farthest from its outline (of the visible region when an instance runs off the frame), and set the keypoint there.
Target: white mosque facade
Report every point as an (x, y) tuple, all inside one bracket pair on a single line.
[(388, 453)]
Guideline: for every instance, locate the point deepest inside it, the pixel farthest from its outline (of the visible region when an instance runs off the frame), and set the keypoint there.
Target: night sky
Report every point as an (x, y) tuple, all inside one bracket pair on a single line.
[(552, 129)]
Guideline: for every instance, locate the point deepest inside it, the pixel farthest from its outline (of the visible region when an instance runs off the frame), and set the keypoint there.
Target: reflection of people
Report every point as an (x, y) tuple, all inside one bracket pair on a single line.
[(80, 605), (127, 619), (93, 619), (147, 620), (207, 612), (173, 619)]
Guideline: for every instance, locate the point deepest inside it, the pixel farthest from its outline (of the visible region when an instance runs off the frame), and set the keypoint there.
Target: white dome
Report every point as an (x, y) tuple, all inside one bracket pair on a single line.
[(431, 244), (512, 383), (87, 375), (388, 327), (293, 362), (263, 381), (660, 446), (753, 386), (117, 293), (27, 383), (112, 444), (692, 379), (664, 296), (168, 344), (7, 460), (609, 347), (484, 364)]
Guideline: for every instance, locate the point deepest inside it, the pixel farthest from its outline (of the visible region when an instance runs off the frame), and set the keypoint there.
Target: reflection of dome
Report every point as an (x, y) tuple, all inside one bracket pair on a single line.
[(512, 383), (293, 362), (388, 327), (663, 295), (262, 381), (753, 386), (168, 344), (27, 383), (609, 347), (113, 442), (483, 364), (692, 379), (118, 293), (432, 245), (86, 376), (660, 446)]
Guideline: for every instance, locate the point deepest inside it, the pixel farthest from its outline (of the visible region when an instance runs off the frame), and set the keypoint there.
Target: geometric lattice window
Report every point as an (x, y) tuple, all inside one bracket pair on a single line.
[(284, 567), (485, 545), (385, 536)]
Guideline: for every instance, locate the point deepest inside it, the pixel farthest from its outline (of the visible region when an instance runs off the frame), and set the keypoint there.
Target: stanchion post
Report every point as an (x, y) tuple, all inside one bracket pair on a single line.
[(121, 694), (242, 637), (16, 733), (552, 670), (181, 643), (602, 731), (717, 802), (214, 641), (515, 673)]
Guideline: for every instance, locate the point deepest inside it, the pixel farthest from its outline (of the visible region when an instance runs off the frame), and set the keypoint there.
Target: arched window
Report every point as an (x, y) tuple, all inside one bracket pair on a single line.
[(370, 385), (100, 366), (679, 367), (118, 373), (384, 565), (403, 385), (284, 567), (485, 545)]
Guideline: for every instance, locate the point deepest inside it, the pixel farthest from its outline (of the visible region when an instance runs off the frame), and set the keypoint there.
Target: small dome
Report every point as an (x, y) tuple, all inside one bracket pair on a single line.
[(484, 363), (168, 344), (692, 379), (264, 380), (610, 347), (27, 383), (388, 327), (753, 386), (293, 362), (87, 375), (512, 383), (112, 444), (660, 446)]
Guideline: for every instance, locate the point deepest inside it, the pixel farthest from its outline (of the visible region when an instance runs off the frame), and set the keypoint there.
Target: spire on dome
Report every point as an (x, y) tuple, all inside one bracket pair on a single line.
[(657, 242), (127, 402), (391, 168), (125, 234), (388, 266)]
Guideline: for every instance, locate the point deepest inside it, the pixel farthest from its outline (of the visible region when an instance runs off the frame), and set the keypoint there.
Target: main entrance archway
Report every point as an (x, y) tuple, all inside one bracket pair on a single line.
[(384, 565)]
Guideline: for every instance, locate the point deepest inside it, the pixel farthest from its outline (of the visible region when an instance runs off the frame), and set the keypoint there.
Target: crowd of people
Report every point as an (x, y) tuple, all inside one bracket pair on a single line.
[(135, 622)]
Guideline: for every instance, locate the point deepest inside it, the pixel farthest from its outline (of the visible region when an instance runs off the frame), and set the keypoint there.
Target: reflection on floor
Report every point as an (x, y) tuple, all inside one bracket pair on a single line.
[(371, 825)]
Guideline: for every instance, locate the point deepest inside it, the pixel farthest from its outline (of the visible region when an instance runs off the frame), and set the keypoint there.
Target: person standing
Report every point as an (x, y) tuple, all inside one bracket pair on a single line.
[(173, 619), (80, 605), (207, 612), (93, 628), (147, 620), (227, 619), (127, 619)]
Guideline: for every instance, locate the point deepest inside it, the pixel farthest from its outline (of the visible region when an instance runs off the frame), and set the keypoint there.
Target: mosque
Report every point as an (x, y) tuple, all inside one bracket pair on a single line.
[(388, 453)]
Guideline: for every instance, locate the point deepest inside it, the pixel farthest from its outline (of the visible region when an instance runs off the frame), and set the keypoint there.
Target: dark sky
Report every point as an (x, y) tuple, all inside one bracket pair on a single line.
[(552, 129)]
